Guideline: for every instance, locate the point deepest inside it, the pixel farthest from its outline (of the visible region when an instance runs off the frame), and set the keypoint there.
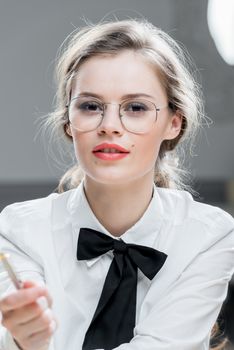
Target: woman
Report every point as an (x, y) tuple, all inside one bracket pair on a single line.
[(128, 263)]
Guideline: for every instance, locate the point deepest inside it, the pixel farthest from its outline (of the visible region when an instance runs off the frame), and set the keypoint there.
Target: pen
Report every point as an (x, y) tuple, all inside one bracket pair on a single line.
[(12, 274)]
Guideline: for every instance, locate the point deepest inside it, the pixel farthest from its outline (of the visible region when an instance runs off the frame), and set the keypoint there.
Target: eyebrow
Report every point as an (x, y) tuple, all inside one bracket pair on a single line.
[(135, 95)]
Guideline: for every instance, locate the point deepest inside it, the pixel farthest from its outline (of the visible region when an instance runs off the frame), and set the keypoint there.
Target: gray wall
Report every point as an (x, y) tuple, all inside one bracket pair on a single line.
[(30, 34)]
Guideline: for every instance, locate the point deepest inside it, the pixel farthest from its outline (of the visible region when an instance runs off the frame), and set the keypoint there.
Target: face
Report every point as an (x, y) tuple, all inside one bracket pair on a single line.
[(111, 79)]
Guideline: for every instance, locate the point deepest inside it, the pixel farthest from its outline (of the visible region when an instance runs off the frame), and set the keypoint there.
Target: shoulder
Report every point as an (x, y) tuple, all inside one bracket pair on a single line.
[(27, 211), (195, 232), (31, 217), (186, 211)]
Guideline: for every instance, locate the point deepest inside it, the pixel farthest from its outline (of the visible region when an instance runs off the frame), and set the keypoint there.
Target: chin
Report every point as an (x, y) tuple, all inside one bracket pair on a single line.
[(107, 180), (114, 179)]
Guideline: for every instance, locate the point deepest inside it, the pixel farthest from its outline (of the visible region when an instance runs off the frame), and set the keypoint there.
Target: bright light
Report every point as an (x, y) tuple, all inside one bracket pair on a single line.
[(220, 16)]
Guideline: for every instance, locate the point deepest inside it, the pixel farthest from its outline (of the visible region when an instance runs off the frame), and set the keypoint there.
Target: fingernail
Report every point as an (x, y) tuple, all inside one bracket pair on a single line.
[(42, 302), (53, 325), (48, 313)]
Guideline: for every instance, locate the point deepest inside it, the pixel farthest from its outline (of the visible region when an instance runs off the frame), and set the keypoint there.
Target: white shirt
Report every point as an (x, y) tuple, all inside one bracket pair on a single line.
[(176, 310)]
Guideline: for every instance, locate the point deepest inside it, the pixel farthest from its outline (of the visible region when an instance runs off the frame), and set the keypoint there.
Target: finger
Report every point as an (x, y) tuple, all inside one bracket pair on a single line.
[(26, 313), (41, 300), (45, 334), (41, 323), (29, 284), (39, 339), (21, 298), (48, 300), (36, 325)]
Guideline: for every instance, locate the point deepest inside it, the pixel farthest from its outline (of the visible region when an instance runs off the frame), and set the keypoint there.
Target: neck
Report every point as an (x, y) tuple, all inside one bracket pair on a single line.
[(119, 207)]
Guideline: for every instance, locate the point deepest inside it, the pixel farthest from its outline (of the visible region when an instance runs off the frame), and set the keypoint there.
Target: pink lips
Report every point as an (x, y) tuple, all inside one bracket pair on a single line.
[(120, 153)]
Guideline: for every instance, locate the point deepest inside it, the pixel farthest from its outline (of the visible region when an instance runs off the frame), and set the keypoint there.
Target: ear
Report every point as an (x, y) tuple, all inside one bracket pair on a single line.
[(174, 126), (67, 130)]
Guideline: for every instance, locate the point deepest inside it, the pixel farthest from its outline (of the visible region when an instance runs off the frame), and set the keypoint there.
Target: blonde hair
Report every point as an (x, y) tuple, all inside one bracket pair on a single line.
[(171, 62)]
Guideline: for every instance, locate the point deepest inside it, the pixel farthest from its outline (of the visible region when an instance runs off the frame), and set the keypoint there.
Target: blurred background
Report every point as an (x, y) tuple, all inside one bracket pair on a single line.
[(31, 33)]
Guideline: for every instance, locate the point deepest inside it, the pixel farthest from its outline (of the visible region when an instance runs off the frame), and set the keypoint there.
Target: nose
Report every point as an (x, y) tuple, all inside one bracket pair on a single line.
[(111, 122)]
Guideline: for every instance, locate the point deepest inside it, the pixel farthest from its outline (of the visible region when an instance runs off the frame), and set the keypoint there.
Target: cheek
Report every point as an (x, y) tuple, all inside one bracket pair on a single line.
[(80, 145), (148, 147)]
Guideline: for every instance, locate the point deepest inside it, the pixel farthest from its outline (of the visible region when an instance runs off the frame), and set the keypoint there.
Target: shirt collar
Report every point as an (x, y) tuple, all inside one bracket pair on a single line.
[(143, 232)]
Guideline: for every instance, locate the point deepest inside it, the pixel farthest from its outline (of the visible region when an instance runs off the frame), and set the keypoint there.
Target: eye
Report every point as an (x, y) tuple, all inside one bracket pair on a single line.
[(135, 107), (89, 106)]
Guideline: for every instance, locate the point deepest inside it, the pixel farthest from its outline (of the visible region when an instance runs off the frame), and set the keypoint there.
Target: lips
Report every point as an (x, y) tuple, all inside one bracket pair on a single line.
[(110, 148), (110, 152)]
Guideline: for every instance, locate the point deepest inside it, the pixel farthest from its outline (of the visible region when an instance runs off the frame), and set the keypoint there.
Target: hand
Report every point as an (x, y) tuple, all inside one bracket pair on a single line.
[(27, 315)]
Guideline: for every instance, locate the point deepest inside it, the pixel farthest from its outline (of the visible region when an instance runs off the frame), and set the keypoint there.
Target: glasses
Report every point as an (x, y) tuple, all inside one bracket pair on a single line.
[(136, 115)]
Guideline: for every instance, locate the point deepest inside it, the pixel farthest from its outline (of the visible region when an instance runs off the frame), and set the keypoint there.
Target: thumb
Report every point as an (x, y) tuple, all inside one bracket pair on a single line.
[(45, 300), (29, 284)]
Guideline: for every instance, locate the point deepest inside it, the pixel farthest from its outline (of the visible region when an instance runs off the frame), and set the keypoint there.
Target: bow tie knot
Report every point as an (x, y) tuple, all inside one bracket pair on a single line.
[(120, 246)]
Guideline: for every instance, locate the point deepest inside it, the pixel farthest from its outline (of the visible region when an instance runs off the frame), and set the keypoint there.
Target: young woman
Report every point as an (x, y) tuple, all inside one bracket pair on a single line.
[(127, 259)]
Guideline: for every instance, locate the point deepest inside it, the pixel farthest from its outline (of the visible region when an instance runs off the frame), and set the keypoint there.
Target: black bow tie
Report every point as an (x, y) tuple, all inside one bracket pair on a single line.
[(114, 319)]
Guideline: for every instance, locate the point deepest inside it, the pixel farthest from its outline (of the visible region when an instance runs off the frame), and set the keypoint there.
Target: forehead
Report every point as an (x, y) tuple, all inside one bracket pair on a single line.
[(113, 76)]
